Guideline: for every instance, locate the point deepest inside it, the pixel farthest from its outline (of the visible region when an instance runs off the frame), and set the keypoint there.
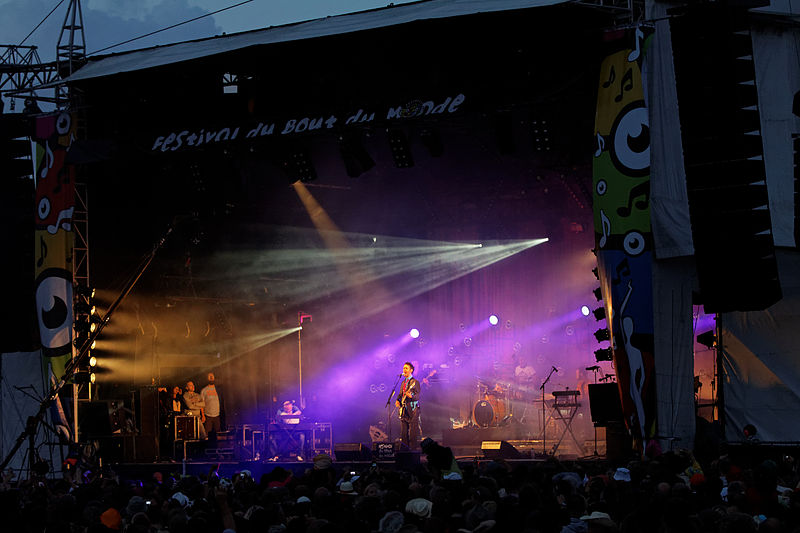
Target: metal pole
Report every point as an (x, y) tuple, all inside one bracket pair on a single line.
[(300, 360), (720, 396), (301, 316)]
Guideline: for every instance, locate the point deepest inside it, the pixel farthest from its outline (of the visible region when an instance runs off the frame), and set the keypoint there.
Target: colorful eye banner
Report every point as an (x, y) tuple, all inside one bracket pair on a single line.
[(55, 205), (621, 179)]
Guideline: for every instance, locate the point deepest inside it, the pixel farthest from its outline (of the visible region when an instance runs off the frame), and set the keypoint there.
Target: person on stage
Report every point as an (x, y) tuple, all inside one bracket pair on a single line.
[(408, 404), (196, 406), (212, 408), (288, 417)]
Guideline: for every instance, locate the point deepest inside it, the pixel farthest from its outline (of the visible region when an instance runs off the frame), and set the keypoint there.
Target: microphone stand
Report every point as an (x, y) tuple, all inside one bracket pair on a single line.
[(544, 414), (388, 401)]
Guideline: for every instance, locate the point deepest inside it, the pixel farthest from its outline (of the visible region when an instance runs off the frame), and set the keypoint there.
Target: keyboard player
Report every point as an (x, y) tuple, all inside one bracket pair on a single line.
[(287, 439)]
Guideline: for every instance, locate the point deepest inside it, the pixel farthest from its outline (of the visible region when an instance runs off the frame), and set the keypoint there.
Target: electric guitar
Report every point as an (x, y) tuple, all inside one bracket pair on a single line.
[(402, 411), (426, 379)]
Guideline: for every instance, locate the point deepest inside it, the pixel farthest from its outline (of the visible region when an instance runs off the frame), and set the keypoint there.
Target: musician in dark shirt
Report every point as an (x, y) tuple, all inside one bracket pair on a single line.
[(408, 404), (287, 439)]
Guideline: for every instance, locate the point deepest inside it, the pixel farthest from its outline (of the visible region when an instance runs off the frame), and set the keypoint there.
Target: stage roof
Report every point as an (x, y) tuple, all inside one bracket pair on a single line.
[(336, 25)]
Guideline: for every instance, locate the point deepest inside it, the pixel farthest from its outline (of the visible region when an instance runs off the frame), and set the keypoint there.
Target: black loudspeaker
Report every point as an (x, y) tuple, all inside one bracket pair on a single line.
[(619, 444), (605, 403), (499, 449), (351, 451), (723, 157), (407, 460), (147, 411), (94, 419)]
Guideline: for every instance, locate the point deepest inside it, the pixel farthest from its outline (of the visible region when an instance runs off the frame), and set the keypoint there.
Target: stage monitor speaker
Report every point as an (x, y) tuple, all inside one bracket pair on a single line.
[(351, 451), (499, 449), (604, 403), (384, 451), (407, 460)]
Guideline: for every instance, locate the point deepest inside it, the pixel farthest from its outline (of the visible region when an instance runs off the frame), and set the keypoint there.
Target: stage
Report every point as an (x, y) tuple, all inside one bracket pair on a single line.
[(410, 461)]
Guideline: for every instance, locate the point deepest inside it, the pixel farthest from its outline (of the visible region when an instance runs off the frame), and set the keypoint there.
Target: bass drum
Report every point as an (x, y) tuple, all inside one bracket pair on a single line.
[(489, 412)]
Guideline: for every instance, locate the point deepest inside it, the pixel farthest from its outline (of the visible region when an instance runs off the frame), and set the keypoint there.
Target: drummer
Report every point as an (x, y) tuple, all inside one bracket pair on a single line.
[(524, 375)]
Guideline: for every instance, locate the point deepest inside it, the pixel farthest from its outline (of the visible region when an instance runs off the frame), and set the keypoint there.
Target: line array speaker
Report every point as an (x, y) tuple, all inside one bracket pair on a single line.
[(724, 158)]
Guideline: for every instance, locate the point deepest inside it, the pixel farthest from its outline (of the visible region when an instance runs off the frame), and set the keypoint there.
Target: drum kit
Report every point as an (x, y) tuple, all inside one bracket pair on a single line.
[(495, 405)]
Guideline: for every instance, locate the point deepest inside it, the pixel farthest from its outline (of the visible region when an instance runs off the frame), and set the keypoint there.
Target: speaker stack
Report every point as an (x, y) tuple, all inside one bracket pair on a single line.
[(723, 158)]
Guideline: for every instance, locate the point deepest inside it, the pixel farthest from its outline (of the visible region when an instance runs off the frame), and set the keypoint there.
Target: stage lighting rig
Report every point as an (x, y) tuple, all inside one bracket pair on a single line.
[(707, 339), (603, 354), (401, 151), (602, 334), (599, 313)]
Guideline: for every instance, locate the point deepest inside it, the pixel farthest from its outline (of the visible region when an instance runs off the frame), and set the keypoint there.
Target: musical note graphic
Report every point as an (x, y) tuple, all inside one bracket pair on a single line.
[(623, 269), (49, 160), (601, 145), (606, 224), (625, 84), (639, 191), (634, 55), (42, 252), (66, 215), (612, 75)]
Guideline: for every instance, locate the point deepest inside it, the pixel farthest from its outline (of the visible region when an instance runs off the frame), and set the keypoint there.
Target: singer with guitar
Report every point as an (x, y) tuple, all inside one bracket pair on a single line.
[(408, 407)]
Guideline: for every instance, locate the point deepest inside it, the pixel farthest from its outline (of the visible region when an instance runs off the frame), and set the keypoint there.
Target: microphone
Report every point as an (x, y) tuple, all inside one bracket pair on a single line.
[(555, 369), (593, 367)]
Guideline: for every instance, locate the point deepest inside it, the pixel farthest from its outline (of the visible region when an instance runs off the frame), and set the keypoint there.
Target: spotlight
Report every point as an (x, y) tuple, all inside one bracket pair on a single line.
[(93, 361), (585, 310), (401, 152), (598, 294), (82, 377), (596, 273), (467, 341), (298, 166), (493, 320), (82, 328), (83, 290), (414, 333), (603, 354), (602, 334), (599, 313), (84, 308), (92, 377), (432, 140), (356, 158), (509, 325), (707, 339)]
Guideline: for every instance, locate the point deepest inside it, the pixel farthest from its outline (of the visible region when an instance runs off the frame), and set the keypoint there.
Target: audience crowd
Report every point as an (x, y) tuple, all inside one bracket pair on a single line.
[(658, 492)]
